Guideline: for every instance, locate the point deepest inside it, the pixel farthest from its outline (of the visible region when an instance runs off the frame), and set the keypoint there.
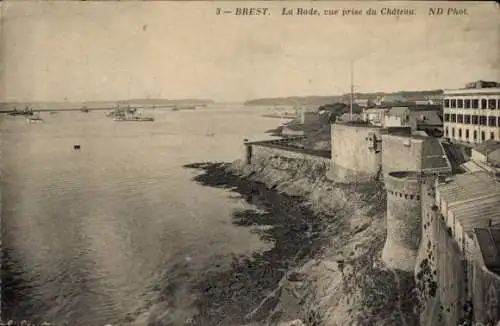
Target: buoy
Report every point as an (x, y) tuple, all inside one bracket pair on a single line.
[(76, 147)]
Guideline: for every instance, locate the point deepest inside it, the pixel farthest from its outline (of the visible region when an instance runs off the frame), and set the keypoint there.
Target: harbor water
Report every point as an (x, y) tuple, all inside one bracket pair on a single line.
[(88, 235)]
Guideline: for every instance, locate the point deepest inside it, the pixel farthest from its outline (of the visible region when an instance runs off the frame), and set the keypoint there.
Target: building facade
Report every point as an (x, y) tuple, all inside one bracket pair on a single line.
[(472, 115)]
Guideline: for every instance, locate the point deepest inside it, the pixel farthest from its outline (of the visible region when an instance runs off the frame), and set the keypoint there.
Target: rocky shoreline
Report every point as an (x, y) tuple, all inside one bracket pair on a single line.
[(325, 267)]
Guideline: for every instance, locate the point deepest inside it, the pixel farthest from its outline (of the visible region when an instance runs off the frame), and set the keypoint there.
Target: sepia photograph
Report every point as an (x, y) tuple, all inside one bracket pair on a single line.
[(250, 163)]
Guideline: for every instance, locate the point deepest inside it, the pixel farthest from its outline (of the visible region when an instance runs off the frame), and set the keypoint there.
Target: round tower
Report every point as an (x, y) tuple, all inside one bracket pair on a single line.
[(403, 220)]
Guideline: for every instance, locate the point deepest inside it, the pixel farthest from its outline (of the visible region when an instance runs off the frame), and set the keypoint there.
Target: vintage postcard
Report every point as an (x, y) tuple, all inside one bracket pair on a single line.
[(247, 163)]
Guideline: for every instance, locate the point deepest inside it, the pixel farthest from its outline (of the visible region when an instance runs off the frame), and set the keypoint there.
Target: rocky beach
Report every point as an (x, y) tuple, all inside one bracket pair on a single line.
[(324, 267)]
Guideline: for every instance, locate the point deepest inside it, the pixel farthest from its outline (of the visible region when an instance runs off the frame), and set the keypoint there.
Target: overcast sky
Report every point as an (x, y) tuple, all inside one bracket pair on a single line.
[(118, 50)]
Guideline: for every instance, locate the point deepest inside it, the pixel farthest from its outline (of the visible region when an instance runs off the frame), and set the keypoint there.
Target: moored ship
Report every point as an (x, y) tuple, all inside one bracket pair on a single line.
[(34, 119)]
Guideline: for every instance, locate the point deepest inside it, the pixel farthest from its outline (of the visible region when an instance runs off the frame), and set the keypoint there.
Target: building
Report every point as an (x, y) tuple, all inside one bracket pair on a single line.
[(399, 116), (484, 157), (435, 99), (418, 117), (487, 152), (347, 117), (364, 103), (375, 117), (471, 115), (309, 117)]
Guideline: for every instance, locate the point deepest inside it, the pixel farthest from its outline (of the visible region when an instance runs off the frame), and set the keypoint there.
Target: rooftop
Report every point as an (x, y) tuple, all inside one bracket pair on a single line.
[(465, 91), (473, 198), (434, 157), (487, 147), (376, 110), (489, 243)]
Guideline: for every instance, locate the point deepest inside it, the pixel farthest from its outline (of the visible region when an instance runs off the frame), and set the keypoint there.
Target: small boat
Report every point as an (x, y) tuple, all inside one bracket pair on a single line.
[(34, 119), (115, 113), (138, 119), (76, 147), (179, 108)]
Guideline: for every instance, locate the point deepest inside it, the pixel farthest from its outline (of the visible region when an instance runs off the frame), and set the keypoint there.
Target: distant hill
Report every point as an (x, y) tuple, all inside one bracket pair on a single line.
[(7, 106), (323, 100), (293, 100)]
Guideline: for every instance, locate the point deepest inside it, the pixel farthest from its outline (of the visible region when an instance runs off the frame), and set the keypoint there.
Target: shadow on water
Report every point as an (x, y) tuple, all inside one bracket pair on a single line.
[(225, 296)]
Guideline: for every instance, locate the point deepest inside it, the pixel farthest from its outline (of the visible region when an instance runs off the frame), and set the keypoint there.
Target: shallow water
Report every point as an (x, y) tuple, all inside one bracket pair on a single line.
[(93, 236)]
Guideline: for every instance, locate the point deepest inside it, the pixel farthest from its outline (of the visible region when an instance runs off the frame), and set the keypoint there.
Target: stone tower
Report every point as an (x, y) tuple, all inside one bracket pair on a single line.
[(403, 220)]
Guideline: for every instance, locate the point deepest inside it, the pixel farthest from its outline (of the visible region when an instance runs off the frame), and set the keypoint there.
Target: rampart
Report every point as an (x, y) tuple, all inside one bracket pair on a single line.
[(403, 220), (453, 286), (356, 152), (283, 155)]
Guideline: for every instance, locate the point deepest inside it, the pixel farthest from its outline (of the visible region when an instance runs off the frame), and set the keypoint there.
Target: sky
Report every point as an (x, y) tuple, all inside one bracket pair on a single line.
[(82, 51)]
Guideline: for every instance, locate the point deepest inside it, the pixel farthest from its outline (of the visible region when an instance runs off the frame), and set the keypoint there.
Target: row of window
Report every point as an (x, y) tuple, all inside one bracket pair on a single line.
[(472, 119), (491, 104), (406, 196), (450, 133)]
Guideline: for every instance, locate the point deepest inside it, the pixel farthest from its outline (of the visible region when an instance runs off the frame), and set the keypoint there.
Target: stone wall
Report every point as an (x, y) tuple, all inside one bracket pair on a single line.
[(356, 152), (486, 294), (440, 267), (281, 157), (403, 220), (401, 153)]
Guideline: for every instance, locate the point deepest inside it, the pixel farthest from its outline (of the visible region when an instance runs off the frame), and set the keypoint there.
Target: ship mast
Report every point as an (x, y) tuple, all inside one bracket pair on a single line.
[(352, 91)]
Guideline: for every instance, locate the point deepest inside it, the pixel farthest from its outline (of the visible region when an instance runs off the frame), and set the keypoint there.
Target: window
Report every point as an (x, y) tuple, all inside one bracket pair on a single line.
[(446, 103), (453, 104), (446, 132), (467, 104), (492, 135), (460, 118), (475, 134), (460, 104), (483, 120), (492, 104), (492, 121), (459, 132), (467, 119), (452, 132), (483, 136), (475, 120), (453, 118), (446, 117), (483, 103), (467, 133), (475, 104)]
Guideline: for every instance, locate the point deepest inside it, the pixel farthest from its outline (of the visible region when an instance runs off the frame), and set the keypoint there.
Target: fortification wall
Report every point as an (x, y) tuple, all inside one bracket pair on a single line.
[(403, 220), (450, 274), (284, 159), (356, 153), (401, 153), (486, 297)]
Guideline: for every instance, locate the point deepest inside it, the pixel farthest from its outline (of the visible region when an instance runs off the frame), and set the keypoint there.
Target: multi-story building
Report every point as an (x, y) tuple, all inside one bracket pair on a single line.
[(472, 115)]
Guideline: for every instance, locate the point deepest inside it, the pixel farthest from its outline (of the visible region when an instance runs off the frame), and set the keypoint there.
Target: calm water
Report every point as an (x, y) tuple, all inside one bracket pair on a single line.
[(88, 235)]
